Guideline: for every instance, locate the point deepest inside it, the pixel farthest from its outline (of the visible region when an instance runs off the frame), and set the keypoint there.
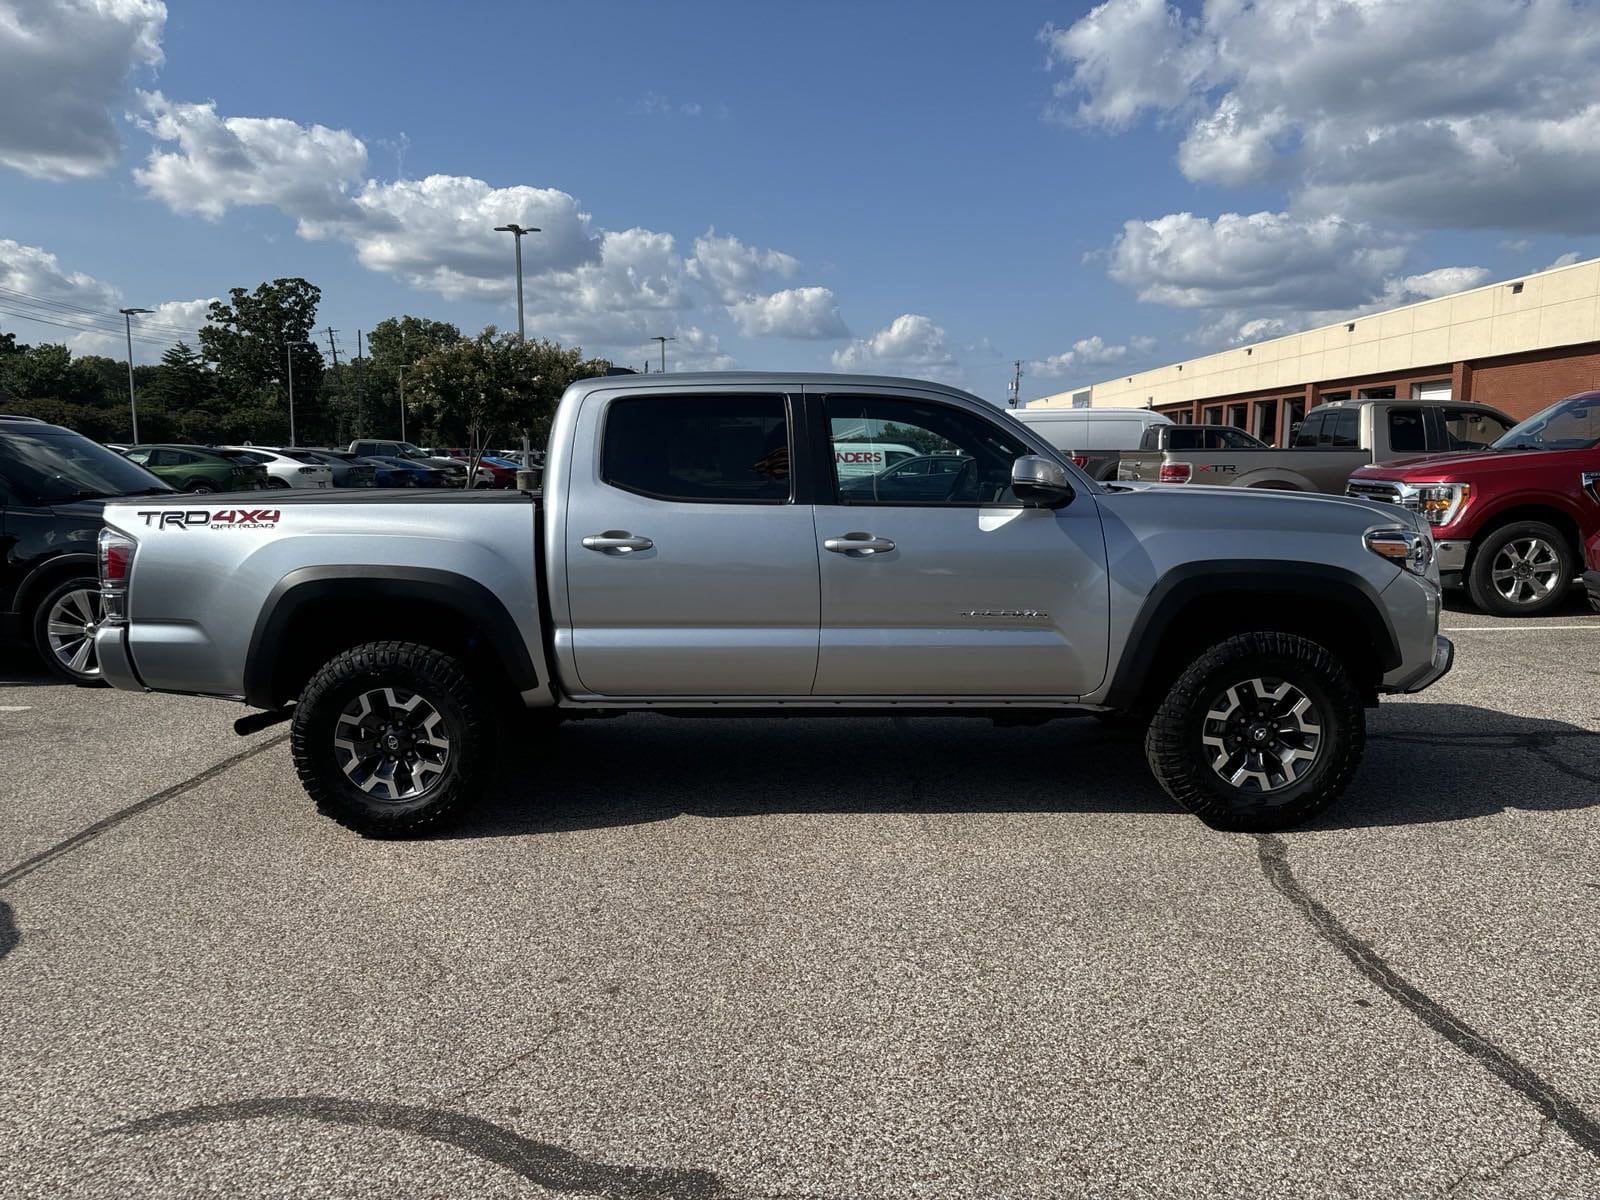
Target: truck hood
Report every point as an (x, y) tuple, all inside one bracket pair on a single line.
[(1478, 464), (1207, 494)]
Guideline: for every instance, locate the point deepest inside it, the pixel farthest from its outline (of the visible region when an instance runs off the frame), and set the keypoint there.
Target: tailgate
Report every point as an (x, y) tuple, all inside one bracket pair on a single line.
[(1142, 465)]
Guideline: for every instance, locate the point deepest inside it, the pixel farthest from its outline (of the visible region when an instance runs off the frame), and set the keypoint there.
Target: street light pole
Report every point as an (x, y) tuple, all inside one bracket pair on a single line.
[(402, 403), (127, 326), (516, 232), (663, 341)]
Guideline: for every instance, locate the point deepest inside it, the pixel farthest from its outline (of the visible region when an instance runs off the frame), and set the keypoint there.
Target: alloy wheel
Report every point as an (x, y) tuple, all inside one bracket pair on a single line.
[(1262, 734), (392, 744), (1526, 570), (70, 627)]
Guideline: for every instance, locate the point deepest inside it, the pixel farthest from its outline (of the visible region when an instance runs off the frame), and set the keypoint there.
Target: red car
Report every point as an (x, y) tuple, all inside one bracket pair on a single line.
[(492, 472), (1516, 522)]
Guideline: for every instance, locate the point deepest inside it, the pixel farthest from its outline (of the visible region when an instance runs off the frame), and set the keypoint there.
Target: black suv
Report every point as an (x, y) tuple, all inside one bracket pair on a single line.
[(53, 485)]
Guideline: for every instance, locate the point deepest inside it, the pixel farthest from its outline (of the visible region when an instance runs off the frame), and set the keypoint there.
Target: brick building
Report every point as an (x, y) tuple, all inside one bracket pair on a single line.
[(1518, 345)]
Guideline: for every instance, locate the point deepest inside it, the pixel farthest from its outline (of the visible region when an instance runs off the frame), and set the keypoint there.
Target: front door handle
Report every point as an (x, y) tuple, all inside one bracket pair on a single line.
[(858, 543), (616, 541)]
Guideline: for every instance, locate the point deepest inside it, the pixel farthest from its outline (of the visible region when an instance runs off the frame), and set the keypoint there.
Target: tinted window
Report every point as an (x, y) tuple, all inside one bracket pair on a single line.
[(974, 456), (1468, 429), (1344, 430), (1237, 439), (1310, 429), (1571, 424), (699, 448), (48, 467), (1406, 433)]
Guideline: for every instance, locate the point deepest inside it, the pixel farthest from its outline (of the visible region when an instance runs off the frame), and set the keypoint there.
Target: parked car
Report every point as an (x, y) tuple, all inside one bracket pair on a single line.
[(190, 469), (406, 473), (457, 472), (681, 561), (494, 473), (1327, 446), (925, 478), (348, 469), (53, 485), (1516, 522), (287, 468), (1094, 438)]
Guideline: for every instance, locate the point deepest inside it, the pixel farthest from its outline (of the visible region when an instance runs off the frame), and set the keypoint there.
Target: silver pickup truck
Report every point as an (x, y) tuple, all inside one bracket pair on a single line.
[(1333, 440), (693, 551)]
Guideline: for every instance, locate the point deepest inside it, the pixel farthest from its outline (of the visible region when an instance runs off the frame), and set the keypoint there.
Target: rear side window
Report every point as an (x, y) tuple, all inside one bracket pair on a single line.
[(706, 449), (1344, 430), (1310, 430), (1406, 431)]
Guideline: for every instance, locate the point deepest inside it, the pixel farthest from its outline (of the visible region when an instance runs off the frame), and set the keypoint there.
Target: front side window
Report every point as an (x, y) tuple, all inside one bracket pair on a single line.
[(1406, 432), (705, 449), (1469, 429), (969, 459)]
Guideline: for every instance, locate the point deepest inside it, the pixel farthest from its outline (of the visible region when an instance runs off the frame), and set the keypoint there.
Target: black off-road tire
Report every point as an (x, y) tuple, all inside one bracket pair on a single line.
[(1480, 581), (1182, 763), (443, 683)]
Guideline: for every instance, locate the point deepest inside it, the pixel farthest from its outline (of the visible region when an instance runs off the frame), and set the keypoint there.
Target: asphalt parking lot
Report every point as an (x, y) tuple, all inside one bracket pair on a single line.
[(809, 958)]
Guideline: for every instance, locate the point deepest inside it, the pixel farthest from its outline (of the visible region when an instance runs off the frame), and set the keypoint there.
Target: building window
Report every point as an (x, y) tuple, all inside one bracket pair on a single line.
[(1266, 427), (1237, 417), (1335, 397), (1212, 415), (1294, 412), (1378, 393), (1081, 399), (1433, 389)]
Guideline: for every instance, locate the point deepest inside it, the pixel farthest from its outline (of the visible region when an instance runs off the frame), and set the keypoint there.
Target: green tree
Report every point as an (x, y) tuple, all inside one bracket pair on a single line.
[(246, 340)]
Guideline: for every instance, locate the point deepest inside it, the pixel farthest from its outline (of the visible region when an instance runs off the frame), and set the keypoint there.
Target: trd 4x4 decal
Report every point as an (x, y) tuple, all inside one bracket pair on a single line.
[(222, 518)]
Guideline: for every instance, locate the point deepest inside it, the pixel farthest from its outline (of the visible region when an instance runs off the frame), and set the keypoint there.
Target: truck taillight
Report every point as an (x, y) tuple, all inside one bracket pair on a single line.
[(1080, 460), (116, 561), (1175, 472)]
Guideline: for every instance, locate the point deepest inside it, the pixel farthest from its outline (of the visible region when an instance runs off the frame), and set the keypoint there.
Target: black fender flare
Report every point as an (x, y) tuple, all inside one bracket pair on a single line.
[(308, 586), (1183, 585)]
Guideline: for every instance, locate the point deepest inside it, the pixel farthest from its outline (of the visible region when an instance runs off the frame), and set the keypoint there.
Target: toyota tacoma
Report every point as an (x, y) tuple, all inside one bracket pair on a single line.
[(693, 551)]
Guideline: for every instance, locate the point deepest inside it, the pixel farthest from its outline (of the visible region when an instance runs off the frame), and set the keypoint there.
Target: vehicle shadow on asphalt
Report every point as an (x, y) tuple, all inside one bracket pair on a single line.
[(1424, 763)]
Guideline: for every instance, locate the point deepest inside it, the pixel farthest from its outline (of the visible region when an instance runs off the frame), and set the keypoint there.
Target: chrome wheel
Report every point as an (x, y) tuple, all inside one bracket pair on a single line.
[(70, 628), (1262, 734), (1526, 570), (392, 744)]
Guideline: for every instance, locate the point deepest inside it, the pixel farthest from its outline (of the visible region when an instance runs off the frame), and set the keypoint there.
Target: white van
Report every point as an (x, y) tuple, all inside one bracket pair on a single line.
[(1092, 437), (855, 459)]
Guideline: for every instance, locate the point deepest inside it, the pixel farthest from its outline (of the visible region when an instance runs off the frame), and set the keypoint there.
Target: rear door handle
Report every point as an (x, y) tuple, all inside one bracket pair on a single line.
[(858, 543), (616, 541)]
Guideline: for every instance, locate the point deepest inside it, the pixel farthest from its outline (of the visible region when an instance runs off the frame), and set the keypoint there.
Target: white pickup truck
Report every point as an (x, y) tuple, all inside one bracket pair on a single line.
[(697, 550)]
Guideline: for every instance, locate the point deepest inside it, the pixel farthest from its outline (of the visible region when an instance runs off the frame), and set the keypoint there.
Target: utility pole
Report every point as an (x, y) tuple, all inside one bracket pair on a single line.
[(517, 232), (133, 404), (1016, 383), (288, 358), (663, 340)]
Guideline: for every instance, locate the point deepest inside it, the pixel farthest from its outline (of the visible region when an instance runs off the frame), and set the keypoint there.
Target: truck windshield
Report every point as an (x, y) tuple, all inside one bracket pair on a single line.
[(1570, 424), (55, 466)]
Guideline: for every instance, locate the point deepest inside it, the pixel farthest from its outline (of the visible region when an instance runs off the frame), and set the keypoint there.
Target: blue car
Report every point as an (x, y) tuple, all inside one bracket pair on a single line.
[(403, 472)]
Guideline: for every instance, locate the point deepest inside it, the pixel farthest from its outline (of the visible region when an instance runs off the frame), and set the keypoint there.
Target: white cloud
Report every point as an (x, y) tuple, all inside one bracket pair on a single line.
[(807, 312), (1564, 260), (1260, 259), (63, 67), (226, 162), (692, 349), (1436, 113), (1092, 351), (41, 301), (733, 270), (911, 344), (583, 284)]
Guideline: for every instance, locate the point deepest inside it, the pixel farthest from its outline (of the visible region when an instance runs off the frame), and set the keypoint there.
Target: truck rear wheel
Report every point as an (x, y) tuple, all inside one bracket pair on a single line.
[(1521, 570), (1261, 732), (391, 738)]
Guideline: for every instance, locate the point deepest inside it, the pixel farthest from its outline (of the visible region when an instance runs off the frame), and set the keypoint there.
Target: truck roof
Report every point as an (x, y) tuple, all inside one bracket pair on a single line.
[(820, 379)]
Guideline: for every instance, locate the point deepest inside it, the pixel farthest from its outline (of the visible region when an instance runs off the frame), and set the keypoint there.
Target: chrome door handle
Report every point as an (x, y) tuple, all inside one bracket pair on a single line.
[(616, 541), (858, 543)]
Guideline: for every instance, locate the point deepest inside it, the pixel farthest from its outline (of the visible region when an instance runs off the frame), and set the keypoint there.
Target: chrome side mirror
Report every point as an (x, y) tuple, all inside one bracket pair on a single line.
[(1040, 482)]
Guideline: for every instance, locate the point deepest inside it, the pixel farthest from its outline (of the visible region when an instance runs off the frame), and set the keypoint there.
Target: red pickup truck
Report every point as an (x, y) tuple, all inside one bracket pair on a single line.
[(1517, 522)]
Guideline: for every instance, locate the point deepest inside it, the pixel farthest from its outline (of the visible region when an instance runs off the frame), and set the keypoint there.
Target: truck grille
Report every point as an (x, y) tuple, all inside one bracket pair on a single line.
[(1385, 493)]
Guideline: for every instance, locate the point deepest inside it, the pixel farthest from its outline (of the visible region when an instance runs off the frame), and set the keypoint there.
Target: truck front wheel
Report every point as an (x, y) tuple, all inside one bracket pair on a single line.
[(1261, 732), (1521, 570), (391, 738)]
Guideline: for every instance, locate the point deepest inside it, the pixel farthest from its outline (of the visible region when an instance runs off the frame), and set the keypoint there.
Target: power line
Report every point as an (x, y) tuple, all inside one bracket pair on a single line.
[(94, 329), (48, 303)]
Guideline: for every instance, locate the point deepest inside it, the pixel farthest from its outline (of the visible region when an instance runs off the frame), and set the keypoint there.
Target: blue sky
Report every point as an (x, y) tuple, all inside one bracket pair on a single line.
[(931, 188)]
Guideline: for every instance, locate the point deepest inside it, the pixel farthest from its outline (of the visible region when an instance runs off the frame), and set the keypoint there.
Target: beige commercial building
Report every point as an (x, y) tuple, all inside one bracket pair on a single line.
[(1517, 345)]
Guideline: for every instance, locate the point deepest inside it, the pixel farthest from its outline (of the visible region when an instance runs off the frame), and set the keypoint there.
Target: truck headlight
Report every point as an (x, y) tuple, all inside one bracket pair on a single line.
[(1440, 502), (1406, 548)]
